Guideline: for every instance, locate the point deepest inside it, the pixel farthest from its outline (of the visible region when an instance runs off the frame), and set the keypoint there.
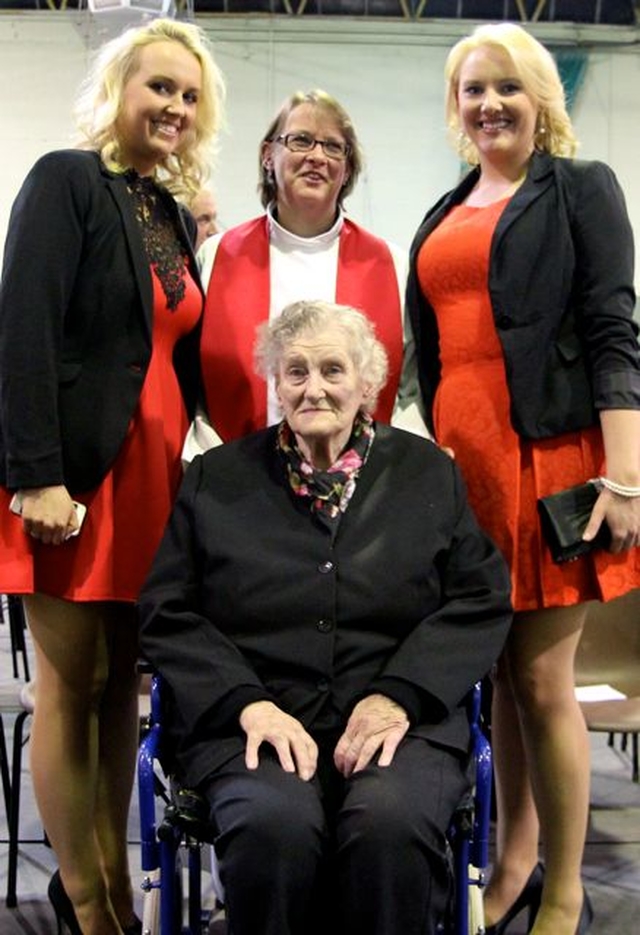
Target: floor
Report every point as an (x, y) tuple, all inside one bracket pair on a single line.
[(611, 863)]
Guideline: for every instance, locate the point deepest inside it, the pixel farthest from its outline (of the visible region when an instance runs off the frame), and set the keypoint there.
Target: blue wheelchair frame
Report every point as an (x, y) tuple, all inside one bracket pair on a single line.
[(184, 832)]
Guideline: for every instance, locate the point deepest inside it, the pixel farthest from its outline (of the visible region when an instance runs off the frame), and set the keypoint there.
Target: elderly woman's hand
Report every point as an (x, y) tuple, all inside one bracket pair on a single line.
[(376, 722), (265, 722)]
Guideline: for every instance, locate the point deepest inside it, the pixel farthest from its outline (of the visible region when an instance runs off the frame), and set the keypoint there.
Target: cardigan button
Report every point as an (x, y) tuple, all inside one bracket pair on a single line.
[(505, 322), (325, 567), (324, 626), (322, 685)]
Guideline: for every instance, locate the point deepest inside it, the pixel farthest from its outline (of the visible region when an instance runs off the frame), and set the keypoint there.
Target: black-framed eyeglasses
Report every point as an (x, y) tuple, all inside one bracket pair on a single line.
[(305, 143)]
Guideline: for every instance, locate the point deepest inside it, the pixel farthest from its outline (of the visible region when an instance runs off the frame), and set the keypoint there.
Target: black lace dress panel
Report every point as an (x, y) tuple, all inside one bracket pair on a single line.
[(160, 236)]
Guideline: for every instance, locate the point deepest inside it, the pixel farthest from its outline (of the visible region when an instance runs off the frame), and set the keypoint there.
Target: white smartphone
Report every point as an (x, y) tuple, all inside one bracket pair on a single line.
[(81, 511)]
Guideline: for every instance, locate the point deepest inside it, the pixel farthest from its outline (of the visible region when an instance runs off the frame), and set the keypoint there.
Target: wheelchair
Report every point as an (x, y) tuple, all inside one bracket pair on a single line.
[(171, 850)]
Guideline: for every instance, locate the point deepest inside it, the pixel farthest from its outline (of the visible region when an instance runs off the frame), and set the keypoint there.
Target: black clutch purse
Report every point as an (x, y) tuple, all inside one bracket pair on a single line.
[(563, 518)]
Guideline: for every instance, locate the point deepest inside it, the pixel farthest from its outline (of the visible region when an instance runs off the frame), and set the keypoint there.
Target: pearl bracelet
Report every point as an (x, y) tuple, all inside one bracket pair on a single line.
[(620, 489)]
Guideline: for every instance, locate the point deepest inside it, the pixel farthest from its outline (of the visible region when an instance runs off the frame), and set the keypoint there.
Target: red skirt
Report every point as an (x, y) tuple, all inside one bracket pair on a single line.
[(127, 512), (504, 474)]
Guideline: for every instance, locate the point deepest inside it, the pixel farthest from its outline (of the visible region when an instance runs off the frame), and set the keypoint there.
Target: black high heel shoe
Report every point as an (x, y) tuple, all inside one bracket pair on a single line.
[(529, 898), (62, 905), (586, 915), (63, 908)]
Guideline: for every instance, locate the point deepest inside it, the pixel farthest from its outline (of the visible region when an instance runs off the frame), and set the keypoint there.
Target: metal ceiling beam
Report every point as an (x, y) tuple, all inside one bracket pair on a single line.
[(599, 12)]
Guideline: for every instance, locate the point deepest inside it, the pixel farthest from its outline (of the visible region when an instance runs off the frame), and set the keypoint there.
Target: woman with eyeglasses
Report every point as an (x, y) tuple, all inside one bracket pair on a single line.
[(303, 247)]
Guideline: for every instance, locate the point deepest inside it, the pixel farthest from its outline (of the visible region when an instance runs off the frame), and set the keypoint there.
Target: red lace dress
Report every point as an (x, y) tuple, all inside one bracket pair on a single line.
[(127, 512), (505, 474)]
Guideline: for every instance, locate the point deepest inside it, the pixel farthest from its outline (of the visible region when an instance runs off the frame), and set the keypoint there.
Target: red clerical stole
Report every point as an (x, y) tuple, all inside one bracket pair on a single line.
[(238, 300)]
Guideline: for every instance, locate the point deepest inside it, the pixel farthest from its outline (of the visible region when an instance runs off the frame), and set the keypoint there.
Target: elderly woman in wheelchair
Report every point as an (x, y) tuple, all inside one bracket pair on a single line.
[(319, 609)]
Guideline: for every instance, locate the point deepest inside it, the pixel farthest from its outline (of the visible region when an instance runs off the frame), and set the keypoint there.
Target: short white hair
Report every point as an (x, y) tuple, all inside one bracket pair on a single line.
[(310, 317)]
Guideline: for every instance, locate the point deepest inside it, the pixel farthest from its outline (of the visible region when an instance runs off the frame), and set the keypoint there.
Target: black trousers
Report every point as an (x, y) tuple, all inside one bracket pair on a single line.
[(362, 856)]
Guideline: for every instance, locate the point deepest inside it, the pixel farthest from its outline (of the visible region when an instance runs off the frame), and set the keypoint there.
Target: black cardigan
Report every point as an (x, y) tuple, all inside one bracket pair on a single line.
[(249, 597)]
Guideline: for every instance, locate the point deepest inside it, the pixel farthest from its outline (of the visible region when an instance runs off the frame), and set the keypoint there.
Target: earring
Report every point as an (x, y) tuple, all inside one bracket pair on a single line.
[(538, 137)]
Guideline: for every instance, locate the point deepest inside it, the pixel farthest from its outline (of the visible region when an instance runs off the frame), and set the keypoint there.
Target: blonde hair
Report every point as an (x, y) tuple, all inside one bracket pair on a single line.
[(99, 103), (267, 188), (311, 317), (535, 67)]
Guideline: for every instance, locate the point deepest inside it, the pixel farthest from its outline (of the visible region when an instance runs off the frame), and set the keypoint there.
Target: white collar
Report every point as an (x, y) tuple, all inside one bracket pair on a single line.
[(279, 236)]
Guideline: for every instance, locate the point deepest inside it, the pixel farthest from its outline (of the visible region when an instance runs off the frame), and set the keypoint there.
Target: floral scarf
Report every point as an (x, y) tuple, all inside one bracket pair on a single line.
[(330, 491)]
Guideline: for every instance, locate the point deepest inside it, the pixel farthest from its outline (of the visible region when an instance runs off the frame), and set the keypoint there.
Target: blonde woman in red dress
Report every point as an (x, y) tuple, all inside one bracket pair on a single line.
[(521, 299), (99, 325)]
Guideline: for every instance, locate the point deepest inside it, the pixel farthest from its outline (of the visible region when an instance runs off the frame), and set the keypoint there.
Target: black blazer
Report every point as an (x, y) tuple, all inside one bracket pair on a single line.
[(561, 287), (249, 598), (76, 318)]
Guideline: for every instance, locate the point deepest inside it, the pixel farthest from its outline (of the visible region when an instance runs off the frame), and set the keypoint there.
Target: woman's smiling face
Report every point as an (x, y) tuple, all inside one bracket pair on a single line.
[(495, 111), (159, 104), (308, 184)]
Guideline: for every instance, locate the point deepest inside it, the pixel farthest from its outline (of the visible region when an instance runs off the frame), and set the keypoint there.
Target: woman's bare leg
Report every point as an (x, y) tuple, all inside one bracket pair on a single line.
[(540, 656), (119, 735), (517, 828), (74, 754)]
